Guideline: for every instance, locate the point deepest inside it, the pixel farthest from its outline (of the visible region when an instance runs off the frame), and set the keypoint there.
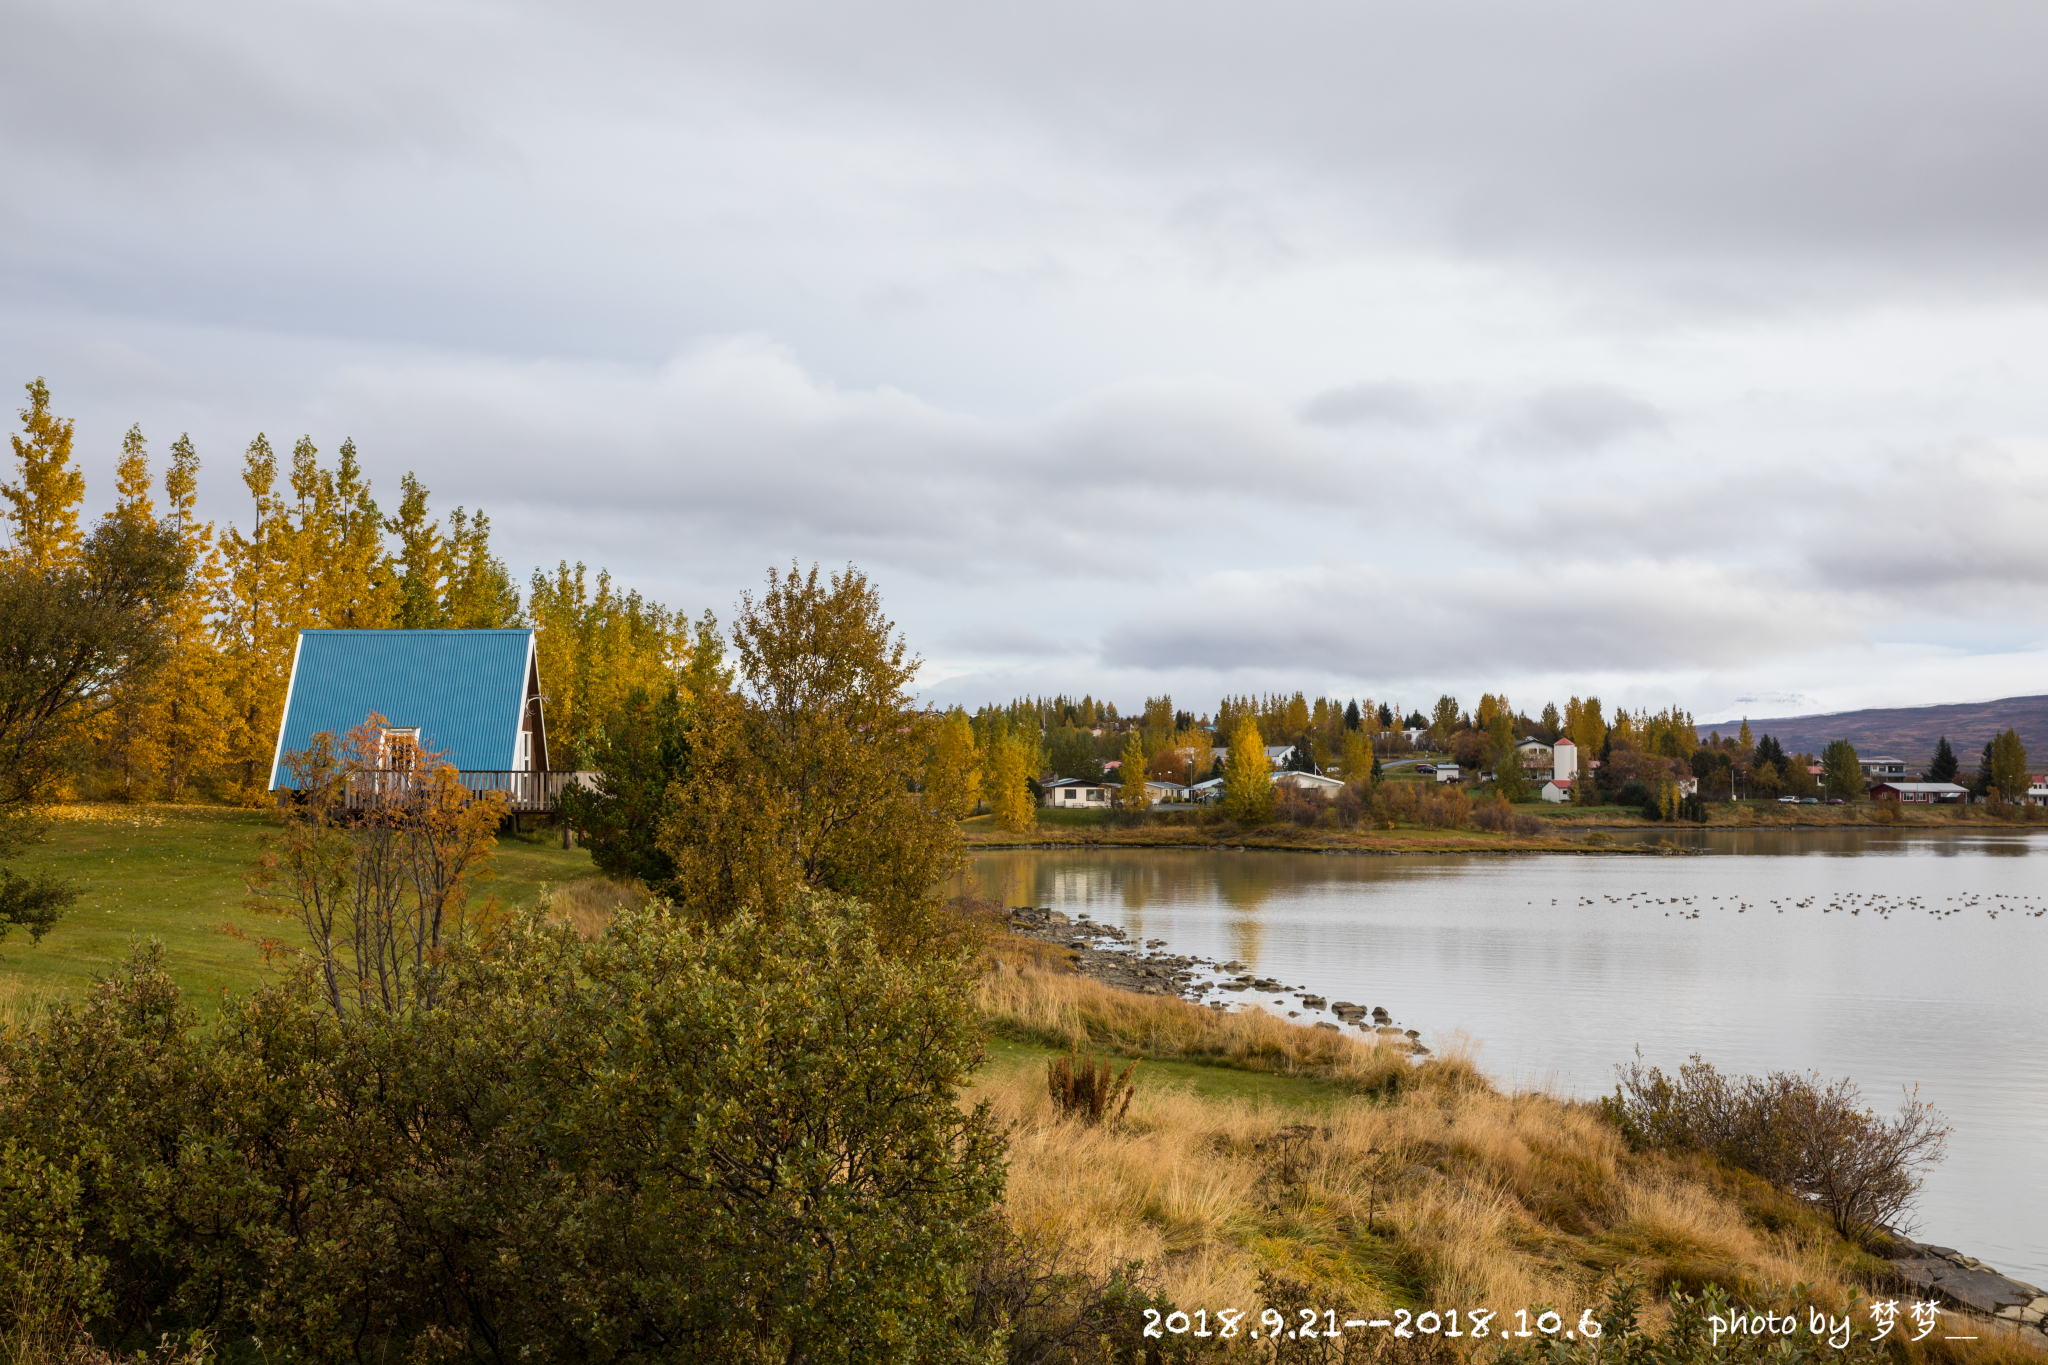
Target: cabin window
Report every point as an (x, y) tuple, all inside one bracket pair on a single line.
[(525, 750)]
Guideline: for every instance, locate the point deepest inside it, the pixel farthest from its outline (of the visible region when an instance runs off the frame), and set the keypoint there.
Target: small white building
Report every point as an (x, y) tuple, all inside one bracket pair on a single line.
[(1558, 790), (1326, 787), (1883, 769), (1075, 793), (1447, 772), (1534, 754), (1279, 754)]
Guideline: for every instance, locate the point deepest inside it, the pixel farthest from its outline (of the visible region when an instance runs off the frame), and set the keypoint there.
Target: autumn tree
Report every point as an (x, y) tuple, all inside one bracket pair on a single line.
[(312, 558), (421, 558), (1356, 758), (1841, 773), (1444, 719), (1008, 782), (807, 774), (2006, 766), (46, 492), (128, 742), (1134, 796), (1247, 776), (192, 715), (952, 775), (597, 646), (1508, 779)]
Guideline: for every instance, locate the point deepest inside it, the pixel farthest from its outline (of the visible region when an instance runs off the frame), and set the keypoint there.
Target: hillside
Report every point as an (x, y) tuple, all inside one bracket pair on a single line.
[(1907, 732)]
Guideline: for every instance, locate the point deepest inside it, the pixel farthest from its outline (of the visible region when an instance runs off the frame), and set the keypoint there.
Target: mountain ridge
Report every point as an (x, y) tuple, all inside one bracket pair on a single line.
[(1908, 732)]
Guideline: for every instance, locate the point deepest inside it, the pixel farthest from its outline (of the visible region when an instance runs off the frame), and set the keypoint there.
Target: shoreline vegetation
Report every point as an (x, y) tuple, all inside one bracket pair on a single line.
[(1365, 1176), (1562, 829)]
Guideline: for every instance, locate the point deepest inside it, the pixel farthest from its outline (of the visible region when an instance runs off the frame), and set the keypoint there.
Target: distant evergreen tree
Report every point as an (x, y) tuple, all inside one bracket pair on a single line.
[(1944, 767), (1352, 719), (1386, 716), (1769, 751)]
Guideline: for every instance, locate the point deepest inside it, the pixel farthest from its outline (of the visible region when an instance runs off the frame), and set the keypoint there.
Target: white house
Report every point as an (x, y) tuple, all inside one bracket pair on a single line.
[(1557, 790), (1279, 754), (1074, 793), (1534, 754), (1326, 787), (1883, 769)]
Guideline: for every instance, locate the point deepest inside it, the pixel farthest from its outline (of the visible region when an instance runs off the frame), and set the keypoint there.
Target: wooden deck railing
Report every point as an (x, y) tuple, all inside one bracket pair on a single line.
[(526, 793)]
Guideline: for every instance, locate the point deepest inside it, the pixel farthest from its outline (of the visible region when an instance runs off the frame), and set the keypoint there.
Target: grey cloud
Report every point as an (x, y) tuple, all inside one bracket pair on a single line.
[(1568, 618), (1005, 639), (737, 444), (1958, 531), (1371, 402), (1575, 419)]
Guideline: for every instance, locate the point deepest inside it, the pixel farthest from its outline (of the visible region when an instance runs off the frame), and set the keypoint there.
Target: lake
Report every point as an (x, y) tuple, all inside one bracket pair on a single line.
[(1897, 959)]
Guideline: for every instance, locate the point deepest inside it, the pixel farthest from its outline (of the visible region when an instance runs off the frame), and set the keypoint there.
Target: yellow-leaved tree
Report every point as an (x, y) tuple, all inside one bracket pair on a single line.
[(1134, 796), (192, 718), (1009, 785), (1247, 776), (312, 559), (1355, 758), (46, 492), (952, 776), (596, 649), (129, 747)]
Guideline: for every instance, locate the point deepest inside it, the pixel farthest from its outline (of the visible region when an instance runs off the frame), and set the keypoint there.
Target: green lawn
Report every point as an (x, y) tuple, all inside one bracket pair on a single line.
[(177, 873)]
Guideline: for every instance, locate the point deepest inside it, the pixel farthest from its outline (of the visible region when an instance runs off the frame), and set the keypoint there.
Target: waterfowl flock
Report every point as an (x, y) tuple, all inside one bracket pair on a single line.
[(1847, 902)]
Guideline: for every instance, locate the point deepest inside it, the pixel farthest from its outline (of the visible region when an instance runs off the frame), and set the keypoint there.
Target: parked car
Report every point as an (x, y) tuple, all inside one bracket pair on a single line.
[(1809, 800), (1788, 800), (1836, 801), (1425, 767)]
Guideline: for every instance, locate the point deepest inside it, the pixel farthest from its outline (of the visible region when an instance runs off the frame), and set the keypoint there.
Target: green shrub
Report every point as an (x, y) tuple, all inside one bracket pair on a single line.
[(676, 1143)]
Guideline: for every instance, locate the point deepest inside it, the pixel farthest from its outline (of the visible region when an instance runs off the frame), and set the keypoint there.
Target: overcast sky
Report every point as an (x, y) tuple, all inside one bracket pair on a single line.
[(1684, 354)]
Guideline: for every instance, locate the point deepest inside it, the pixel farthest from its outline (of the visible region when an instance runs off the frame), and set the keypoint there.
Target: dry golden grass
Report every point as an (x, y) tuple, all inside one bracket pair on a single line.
[(588, 903), (1049, 1005), (1436, 1190)]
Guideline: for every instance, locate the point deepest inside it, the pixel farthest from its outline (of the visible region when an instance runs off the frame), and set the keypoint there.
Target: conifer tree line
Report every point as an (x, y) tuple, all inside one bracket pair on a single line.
[(316, 551)]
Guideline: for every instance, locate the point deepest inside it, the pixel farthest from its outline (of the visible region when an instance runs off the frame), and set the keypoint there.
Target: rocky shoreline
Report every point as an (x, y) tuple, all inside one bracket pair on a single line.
[(1105, 953), (1965, 1282)]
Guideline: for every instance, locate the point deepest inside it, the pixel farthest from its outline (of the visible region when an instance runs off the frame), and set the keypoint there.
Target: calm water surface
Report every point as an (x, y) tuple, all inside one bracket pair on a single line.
[(1896, 959)]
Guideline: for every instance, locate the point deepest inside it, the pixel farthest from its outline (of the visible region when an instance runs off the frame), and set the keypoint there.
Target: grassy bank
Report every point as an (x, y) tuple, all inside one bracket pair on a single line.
[(1376, 1181), (178, 873), (1564, 829)]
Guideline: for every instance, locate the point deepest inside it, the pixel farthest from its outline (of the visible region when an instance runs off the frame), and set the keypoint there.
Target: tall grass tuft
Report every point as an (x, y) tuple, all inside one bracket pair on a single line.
[(1091, 1091)]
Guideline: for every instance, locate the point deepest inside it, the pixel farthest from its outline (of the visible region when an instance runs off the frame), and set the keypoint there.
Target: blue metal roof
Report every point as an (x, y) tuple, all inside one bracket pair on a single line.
[(463, 689)]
